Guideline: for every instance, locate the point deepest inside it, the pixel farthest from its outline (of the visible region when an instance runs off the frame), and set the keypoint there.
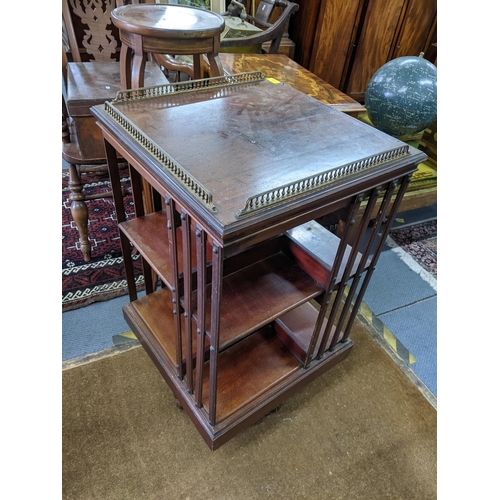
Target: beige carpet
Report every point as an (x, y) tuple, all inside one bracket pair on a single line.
[(361, 431)]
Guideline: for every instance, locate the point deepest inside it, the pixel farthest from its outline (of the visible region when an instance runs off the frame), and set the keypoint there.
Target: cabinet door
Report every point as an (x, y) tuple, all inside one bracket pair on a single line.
[(336, 32), (417, 30), (374, 48), (303, 30)]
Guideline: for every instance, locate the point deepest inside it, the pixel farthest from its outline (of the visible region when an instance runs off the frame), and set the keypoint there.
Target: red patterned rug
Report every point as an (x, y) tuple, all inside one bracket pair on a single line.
[(102, 278), (420, 242)]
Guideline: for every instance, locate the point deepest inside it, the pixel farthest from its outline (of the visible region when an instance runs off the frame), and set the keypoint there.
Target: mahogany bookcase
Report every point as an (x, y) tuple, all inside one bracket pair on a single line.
[(248, 298)]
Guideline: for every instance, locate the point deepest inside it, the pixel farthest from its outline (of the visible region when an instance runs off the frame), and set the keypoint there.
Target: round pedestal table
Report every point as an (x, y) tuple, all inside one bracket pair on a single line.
[(166, 29)]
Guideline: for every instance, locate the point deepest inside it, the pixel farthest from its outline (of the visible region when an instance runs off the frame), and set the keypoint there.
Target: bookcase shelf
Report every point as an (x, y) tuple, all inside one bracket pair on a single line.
[(256, 299), (149, 236), (256, 295), (249, 369)]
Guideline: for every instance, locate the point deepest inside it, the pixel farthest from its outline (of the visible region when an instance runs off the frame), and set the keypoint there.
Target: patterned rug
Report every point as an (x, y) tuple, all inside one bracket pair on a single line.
[(420, 242), (102, 278)]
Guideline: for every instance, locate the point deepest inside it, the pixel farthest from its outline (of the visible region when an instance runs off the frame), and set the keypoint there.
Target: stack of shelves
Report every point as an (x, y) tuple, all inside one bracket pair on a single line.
[(248, 298)]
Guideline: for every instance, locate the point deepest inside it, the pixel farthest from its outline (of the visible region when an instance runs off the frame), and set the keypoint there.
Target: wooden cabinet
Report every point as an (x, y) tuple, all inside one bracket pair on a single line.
[(254, 298), (344, 43)]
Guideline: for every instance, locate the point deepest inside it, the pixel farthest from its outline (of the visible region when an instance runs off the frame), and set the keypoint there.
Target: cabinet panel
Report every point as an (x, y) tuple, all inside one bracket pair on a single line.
[(418, 22), (303, 30), (374, 46), (334, 39), (345, 43)]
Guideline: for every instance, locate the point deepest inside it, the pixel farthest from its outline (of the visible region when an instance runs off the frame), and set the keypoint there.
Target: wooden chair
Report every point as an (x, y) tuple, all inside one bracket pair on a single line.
[(91, 75), (268, 40), (272, 32)]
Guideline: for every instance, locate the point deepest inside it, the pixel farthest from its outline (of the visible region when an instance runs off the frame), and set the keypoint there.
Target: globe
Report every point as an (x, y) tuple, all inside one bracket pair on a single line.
[(401, 97)]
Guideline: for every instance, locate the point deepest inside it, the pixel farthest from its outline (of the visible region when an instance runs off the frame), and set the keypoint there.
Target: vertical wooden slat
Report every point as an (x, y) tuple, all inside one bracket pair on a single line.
[(186, 258), (214, 330), (348, 270), (172, 240), (201, 272), (331, 283), (379, 219), (116, 188)]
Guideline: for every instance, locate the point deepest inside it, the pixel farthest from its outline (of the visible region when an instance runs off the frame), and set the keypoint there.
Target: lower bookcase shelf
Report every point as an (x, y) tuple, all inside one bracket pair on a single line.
[(255, 375), (248, 370), (294, 328), (154, 314), (267, 320)]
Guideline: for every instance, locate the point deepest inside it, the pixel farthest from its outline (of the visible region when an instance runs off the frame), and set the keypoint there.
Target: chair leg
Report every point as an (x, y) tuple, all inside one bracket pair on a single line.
[(79, 210)]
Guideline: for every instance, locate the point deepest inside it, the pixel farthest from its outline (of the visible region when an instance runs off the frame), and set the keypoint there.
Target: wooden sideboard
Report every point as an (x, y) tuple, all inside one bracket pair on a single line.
[(285, 70), (345, 43), (254, 299)]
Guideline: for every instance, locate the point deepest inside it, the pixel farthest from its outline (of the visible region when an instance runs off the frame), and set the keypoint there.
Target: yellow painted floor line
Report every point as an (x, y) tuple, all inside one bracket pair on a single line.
[(124, 337), (366, 314), (129, 335), (386, 334)]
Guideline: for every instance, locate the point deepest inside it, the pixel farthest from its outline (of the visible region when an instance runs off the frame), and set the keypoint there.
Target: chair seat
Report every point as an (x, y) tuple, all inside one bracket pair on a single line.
[(71, 153), (90, 84)]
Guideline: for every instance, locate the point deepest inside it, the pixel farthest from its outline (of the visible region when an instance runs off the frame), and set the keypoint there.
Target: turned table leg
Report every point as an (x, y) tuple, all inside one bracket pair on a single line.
[(79, 210), (125, 66)]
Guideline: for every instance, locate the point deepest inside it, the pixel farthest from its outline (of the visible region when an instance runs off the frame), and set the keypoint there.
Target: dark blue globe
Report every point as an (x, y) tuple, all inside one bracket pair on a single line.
[(401, 97)]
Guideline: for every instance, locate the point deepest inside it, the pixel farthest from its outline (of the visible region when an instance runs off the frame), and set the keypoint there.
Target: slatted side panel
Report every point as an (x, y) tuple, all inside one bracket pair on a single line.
[(176, 310), (344, 294), (190, 297)]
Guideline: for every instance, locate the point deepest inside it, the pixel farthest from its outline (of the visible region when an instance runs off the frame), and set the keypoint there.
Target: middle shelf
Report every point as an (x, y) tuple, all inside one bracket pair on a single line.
[(258, 294), (259, 284)]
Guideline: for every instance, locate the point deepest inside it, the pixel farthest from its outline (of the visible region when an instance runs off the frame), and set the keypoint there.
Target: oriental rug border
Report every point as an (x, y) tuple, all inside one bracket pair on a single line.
[(103, 278), (419, 241)]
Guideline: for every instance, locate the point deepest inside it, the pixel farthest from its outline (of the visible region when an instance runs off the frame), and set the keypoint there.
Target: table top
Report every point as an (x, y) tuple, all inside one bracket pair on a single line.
[(239, 149), (166, 21), (91, 83), (285, 70)]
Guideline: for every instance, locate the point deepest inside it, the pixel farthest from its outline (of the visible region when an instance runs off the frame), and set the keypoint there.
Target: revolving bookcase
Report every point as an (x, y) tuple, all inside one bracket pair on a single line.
[(248, 298)]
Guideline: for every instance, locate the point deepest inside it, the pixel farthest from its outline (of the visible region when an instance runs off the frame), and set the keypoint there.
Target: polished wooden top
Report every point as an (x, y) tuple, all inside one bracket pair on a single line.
[(167, 21), (284, 69), (250, 151), (91, 83)]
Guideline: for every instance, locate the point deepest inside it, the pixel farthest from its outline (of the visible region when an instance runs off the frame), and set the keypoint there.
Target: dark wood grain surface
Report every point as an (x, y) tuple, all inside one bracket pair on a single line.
[(248, 139), (345, 43), (285, 70), (241, 160)]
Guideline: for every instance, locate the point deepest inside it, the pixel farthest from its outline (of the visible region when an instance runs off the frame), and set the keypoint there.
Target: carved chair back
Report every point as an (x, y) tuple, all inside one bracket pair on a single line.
[(272, 31), (88, 32), (88, 36)]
